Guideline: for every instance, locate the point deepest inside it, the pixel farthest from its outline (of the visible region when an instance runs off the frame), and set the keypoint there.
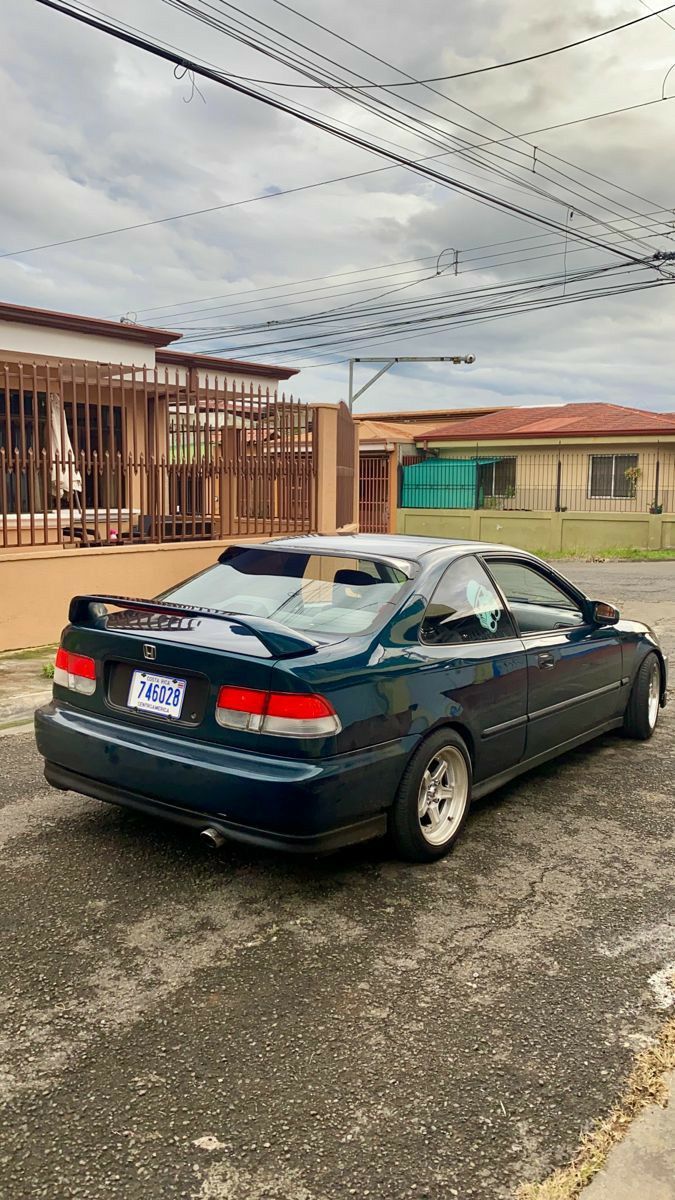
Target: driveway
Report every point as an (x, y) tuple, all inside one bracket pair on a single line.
[(250, 1027)]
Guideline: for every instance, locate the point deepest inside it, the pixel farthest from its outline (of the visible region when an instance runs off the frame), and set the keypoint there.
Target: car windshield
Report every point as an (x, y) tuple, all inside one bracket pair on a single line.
[(319, 593)]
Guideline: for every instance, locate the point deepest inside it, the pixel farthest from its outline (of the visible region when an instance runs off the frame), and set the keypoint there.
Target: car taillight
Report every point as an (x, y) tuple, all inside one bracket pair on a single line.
[(75, 671), (291, 714)]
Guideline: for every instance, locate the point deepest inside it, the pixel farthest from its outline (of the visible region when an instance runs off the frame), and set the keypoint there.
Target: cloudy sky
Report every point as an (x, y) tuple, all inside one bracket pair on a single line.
[(98, 135)]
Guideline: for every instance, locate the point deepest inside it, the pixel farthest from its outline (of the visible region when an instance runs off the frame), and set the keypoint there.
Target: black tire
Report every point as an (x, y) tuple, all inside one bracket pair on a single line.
[(641, 715), (409, 831)]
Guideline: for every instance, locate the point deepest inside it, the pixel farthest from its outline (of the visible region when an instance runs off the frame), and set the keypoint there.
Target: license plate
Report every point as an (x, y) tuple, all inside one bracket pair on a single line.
[(156, 694)]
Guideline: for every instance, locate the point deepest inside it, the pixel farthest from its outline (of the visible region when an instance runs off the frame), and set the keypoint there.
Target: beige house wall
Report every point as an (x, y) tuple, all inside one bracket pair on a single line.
[(34, 342), (536, 472)]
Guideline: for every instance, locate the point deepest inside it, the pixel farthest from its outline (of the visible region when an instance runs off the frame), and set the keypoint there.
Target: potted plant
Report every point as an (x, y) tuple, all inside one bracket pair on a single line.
[(633, 475), (509, 494)]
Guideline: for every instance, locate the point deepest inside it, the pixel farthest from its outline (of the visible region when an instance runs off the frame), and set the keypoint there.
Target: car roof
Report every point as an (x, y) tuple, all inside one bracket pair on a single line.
[(412, 547)]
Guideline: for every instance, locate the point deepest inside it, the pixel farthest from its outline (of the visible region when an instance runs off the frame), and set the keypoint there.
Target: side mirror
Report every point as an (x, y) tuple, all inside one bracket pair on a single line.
[(604, 614)]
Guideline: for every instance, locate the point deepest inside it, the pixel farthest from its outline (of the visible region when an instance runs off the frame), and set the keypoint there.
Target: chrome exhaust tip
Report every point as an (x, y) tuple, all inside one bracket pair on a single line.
[(213, 837)]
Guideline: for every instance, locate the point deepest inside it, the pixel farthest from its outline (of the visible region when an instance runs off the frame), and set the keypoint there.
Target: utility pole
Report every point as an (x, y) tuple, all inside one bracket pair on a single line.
[(390, 362)]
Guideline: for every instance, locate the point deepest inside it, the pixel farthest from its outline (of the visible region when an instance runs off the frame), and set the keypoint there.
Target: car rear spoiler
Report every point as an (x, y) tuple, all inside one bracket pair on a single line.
[(275, 637)]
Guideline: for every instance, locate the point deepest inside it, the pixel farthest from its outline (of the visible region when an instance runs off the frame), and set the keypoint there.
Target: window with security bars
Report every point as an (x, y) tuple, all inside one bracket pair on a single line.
[(610, 476), (497, 478)]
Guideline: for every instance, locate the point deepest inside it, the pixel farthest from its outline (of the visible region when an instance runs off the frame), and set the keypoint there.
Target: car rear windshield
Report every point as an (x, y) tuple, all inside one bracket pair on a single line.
[(319, 593)]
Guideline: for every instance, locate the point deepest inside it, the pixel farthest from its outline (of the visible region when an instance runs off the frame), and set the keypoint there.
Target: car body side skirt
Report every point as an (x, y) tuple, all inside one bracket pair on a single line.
[(527, 764)]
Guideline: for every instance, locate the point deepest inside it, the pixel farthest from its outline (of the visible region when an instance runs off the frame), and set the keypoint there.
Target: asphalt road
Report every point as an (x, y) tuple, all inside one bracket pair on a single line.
[(251, 1027)]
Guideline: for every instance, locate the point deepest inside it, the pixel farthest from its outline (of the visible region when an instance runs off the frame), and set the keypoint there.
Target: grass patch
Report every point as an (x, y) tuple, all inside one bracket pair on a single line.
[(625, 553), (48, 670), (32, 652), (645, 1086)]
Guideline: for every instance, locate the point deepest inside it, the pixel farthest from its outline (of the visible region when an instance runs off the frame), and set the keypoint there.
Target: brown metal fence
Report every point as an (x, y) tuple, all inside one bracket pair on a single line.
[(374, 493), (94, 454), (597, 479)]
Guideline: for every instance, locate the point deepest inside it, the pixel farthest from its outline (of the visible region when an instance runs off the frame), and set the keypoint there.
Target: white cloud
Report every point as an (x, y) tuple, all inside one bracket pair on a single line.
[(98, 135)]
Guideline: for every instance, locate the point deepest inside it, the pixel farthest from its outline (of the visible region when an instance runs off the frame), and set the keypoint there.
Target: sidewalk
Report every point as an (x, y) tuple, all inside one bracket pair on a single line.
[(23, 686), (642, 1166)]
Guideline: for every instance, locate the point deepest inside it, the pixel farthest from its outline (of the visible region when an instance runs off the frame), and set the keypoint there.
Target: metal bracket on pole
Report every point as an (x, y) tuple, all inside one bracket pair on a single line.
[(390, 362), (355, 395)]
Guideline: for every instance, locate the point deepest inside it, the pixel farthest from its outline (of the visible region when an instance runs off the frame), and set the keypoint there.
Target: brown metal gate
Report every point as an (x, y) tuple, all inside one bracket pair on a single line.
[(374, 493)]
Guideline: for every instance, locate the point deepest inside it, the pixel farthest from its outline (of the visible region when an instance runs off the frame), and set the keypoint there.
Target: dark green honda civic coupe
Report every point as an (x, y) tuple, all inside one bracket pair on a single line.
[(310, 692)]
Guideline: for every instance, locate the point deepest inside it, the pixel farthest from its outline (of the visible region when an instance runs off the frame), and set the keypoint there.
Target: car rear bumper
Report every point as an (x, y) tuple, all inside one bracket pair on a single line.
[(301, 805)]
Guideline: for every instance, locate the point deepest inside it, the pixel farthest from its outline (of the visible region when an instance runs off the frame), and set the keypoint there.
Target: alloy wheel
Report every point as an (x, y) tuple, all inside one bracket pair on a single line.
[(443, 796)]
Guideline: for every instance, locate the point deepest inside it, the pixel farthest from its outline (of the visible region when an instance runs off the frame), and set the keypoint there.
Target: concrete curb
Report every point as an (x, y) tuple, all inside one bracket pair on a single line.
[(642, 1166)]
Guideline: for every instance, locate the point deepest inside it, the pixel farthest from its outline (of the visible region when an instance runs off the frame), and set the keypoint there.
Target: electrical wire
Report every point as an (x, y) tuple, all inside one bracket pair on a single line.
[(361, 143), (514, 62), (392, 323), (199, 333), (272, 48), (183, 6), (435, 91), (655, 14), (258, 299), (492, 312), (309, 187), (267, 195), (324, 126)]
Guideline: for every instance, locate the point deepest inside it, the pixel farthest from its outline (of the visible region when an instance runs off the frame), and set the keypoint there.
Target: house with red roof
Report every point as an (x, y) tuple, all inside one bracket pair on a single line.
[(566, 478), (570, 457)]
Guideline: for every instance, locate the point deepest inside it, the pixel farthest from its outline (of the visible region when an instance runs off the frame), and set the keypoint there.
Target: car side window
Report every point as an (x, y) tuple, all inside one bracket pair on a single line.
[(465, 607), (537, 603)]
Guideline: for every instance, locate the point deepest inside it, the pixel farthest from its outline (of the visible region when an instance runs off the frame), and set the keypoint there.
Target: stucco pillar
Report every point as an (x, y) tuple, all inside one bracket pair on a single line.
[(325, 442)]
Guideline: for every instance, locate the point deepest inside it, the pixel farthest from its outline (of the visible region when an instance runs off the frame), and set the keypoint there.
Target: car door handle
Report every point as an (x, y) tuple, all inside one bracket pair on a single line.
[(545, 661)]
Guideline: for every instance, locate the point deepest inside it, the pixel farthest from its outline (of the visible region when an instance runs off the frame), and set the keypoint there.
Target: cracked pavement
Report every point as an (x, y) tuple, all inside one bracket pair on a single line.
[(244, 1026)]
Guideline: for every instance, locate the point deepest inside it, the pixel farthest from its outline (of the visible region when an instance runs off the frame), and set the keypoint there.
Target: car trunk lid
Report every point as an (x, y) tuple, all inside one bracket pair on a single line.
[(163, 663)]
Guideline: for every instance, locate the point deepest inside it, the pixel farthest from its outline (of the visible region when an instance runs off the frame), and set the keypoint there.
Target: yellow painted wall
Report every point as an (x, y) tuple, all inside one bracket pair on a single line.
[(570, 532), (599, 534)]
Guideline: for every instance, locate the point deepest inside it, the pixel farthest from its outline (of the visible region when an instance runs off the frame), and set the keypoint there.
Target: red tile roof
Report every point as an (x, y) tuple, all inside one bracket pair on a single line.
[(550, 421)]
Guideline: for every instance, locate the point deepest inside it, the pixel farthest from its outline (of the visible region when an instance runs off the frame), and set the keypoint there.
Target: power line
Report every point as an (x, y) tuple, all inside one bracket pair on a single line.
[(392, 325), (464, 107), (208, 333), (486, 262), (514, 62), (275, 50), (326, 127), (468, 317), (286, 191), (255, 293), (443, 95), (197, 212), (655, 14), (355, 342)]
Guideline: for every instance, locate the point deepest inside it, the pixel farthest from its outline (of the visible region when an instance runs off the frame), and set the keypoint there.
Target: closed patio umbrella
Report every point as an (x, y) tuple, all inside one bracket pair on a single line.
[(63, 447)]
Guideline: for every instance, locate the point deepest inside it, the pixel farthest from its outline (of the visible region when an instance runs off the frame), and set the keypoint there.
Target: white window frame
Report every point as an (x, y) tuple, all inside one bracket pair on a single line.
[(590, 494), (494, 495)]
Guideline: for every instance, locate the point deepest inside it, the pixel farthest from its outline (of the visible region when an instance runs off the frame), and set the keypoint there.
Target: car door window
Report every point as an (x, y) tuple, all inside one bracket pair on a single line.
[(537, 603), (465, 607)]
